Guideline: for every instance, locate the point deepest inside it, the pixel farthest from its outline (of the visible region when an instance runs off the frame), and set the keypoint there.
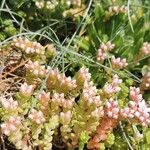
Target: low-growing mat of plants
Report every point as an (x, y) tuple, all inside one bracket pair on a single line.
[(74, 75)]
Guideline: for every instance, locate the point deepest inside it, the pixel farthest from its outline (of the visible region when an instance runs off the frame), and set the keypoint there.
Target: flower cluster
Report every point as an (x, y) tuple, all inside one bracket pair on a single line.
[(28, 46), (106, 125), (60, 82), (142, 113), (44, 98), (101, 56), (118, 63), (113, 87), (89, 94), (137, 108), (39, 4), (63, 107), (59, 100), (26, 89), (127, 113), (46, 4), (36, 116), (65, 117), (11, 125), (89, 105), (71, 106), (74, 2), (114, 10), (112, 109), (145, 49), (36, 68), (9, 104), (135, 94), (102, 51), (83, 74), (98, 112)]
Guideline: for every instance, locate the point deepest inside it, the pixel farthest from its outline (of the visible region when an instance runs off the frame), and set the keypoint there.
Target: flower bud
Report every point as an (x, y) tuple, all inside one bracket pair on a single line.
[(28, 46), (11, 125), (145, 48), (118, 63), (65, 118), (9, 104), (36, 116), (135, 94), (26, 89)]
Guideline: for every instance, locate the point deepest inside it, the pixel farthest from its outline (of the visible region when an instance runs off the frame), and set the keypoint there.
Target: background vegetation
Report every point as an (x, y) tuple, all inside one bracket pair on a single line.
[(72, 35)]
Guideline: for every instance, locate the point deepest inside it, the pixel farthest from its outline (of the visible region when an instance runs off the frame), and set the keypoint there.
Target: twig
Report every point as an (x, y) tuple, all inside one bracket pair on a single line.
[(12, 70), (3, 143), (125, 136)]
